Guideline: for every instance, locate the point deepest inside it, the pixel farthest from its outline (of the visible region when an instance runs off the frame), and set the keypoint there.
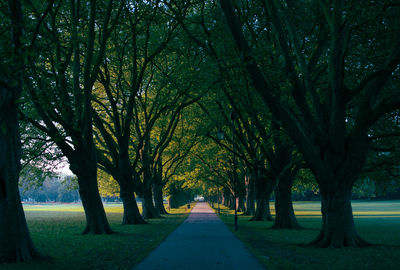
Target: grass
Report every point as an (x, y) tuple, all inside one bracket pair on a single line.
[(56, 232), (376, 222)]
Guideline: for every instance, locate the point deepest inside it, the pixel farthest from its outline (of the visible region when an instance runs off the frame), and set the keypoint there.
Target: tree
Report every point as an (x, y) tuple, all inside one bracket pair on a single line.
[(60, 87), (254, 144), (123, 78), (173, 157), (15, 242), (334, 91)]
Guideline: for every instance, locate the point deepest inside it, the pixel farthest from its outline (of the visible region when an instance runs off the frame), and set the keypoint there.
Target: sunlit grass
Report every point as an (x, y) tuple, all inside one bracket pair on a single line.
[(56, 232), (71, 207), (376, 222)]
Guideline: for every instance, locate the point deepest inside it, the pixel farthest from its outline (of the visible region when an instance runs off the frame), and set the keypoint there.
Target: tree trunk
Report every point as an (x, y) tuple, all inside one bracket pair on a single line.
[(284, 213), (15, 242), (85, 169), (268, 208), (250, 194), (231, 202), (159, 199), (149, 211), (131, 210), (158, 189), (226, 197), (263, 211), (338, 229), (241, 206), (337, 155)]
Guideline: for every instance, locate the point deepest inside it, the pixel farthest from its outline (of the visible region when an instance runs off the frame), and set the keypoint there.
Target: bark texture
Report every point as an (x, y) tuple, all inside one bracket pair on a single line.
[(15, 242), (338, 229), (264, 183), (85, 168), (263, 211), (131, 211), (158, 191), (159, 200), (284, 213), (149, 211), (250, 198)]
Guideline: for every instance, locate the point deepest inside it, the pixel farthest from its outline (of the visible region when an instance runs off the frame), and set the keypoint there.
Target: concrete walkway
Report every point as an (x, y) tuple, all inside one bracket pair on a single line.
[(201, 242)]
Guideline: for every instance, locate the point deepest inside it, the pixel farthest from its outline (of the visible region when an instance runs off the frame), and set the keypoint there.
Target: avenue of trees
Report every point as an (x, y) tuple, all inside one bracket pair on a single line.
[(239, 100)]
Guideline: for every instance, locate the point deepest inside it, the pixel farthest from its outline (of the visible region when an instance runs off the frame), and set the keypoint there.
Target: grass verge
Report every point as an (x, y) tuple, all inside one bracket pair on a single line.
[(56, 232), (280, 249)]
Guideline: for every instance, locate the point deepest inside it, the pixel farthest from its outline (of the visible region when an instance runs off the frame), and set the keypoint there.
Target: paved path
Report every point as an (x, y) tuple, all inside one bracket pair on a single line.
[(201, 242)]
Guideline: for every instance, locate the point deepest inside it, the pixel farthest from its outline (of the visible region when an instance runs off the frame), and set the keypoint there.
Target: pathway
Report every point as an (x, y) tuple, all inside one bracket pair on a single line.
[(201, 242)]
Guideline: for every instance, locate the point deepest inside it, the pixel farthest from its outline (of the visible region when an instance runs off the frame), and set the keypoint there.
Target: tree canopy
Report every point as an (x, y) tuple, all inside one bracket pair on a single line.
[(136, 95)]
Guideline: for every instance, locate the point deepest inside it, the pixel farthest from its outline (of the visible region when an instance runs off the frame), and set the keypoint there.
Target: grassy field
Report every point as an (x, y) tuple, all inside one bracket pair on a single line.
[(376, 222), (56, 232)]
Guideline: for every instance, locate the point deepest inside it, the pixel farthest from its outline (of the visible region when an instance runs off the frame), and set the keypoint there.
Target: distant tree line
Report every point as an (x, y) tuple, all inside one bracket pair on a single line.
[(62, 189)]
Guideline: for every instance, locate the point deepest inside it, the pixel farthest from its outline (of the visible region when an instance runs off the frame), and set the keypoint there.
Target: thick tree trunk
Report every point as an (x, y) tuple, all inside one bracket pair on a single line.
[(158, 192), (338, 229), (131, 210), (263, 211), (86, 171), (284, 213), (149, 211), (159, 200), (341, 149), (158, 189), (267, 207), (15, 242), (126, 184), (250, 197)]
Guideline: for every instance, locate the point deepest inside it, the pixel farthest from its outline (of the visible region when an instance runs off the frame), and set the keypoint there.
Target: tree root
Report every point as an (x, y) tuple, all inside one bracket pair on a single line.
[(327, 241)]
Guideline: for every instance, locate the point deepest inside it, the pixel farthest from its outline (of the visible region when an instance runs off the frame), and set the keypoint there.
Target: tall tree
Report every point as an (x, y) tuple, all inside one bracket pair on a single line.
[(61, 86), (173, 157), (123, 78), (15, 242), (340, 70)]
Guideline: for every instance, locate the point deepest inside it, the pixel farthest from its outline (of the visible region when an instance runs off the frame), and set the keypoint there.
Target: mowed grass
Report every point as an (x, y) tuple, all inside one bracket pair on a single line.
[(376, 222), (56, 233)]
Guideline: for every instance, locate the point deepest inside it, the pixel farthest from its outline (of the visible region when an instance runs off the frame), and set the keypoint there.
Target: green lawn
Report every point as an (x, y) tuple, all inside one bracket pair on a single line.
[(56, 232), (376, 222)]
